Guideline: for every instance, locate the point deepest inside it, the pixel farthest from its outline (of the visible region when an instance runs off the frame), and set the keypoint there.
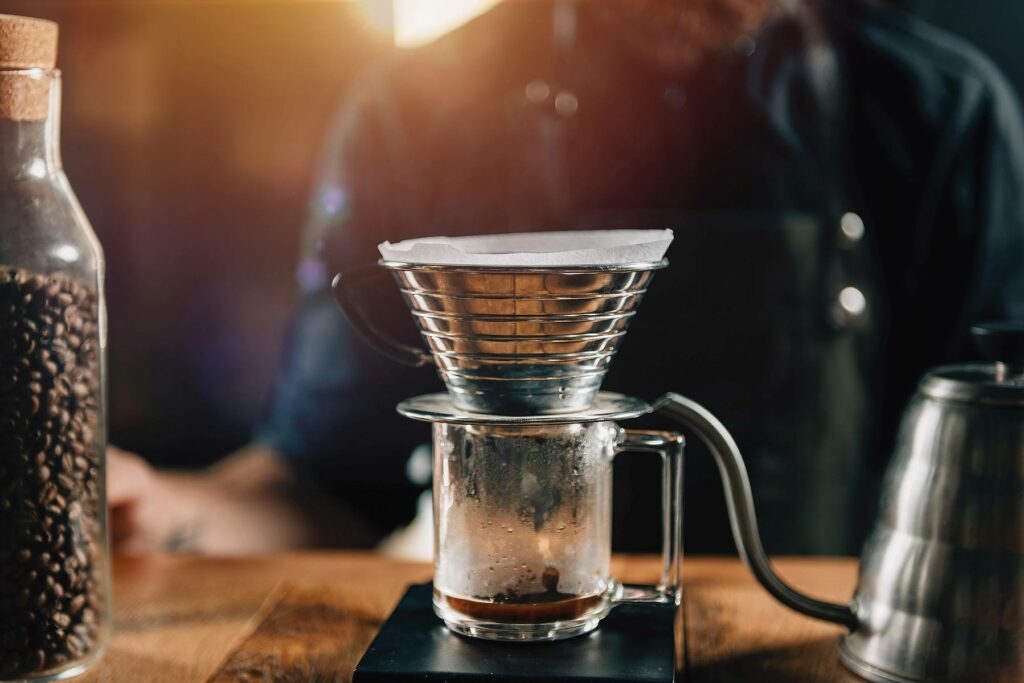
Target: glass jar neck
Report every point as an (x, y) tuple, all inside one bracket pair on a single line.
[(29, 123)]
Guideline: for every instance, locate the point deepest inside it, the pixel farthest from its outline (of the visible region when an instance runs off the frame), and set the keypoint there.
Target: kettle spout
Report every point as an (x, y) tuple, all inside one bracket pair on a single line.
[(740, 502)]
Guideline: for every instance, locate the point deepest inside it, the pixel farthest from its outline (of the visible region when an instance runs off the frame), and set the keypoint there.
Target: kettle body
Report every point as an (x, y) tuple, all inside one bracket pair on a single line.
[(941, 585), (940, 596)]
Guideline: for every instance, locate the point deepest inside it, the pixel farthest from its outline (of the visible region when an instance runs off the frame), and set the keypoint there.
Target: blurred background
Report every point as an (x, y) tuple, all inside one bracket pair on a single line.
[(191, 133)]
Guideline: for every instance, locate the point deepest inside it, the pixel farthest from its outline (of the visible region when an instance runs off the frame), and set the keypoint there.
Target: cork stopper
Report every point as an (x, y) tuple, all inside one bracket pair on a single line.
[(26, 43)]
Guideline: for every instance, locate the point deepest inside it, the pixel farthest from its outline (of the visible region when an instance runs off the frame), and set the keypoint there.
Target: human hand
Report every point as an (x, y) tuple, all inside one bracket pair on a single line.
[(247, 503), (146, 515), (128, 479)]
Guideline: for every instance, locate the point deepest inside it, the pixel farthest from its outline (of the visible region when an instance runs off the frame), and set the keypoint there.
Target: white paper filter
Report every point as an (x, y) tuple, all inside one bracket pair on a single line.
[(532, 249)]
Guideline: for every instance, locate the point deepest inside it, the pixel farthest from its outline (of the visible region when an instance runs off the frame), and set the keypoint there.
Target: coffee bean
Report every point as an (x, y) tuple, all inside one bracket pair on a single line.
[(76, 604), (48, 493), (76, 645), (50, 512)]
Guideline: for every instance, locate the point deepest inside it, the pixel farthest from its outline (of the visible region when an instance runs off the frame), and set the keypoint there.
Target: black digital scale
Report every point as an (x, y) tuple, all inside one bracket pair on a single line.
[(633, 644)]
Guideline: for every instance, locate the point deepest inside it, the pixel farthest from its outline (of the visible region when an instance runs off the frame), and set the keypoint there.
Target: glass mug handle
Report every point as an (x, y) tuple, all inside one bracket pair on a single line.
[(669, 446)]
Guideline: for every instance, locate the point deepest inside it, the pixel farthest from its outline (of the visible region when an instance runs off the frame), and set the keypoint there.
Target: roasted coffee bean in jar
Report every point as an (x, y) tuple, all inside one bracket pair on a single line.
[(54, 562)]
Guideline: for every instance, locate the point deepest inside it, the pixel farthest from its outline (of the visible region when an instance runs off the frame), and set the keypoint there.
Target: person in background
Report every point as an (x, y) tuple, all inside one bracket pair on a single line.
[(845, 186)]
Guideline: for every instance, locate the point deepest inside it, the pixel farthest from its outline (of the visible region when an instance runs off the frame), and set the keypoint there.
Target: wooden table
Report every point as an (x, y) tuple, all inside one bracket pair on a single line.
[(309, 617)]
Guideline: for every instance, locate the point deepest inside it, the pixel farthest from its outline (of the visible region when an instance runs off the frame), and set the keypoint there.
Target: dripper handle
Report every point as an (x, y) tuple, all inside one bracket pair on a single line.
[(343, 285), (740, 502), (1003, 343)]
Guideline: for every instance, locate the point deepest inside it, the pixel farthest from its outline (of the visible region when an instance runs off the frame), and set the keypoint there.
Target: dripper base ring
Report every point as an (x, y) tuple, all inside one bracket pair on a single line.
[(439, 407)]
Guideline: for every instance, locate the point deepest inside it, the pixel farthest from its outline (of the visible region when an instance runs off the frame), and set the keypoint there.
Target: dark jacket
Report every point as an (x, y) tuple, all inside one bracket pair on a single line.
[(753, 159)]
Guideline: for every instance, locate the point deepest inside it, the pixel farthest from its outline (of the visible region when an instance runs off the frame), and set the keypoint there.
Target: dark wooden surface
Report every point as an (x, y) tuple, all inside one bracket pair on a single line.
[(309, 617)]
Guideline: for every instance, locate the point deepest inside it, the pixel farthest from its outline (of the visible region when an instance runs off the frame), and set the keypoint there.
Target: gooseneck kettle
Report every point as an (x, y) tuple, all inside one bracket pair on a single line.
[(941, 583)]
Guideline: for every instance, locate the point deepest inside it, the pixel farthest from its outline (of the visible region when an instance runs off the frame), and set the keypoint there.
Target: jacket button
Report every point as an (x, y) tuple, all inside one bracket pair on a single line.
[(851, 230), (566, 103), (537, 91), (850, 308)]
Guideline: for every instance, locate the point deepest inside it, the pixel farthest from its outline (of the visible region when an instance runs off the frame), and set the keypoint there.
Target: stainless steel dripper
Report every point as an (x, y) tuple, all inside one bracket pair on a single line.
[(511, 341)]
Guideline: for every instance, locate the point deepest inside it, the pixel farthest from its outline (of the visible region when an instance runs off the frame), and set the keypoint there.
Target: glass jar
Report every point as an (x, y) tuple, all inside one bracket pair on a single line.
[(54, 558)]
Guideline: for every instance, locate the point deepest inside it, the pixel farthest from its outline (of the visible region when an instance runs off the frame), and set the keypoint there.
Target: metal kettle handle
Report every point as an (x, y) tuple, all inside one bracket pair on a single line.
[(400, 353), (740, 501)]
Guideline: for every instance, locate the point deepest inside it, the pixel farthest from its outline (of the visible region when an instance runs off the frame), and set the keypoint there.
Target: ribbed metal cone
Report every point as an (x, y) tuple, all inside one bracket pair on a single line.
[(521, 341)]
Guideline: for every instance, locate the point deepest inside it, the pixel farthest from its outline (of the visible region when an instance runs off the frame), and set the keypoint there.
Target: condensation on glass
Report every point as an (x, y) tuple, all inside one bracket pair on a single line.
[(522, 524)]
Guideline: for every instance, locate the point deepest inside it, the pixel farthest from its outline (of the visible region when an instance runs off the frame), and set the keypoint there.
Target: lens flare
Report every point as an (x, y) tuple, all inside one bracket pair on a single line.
[(417, 22)]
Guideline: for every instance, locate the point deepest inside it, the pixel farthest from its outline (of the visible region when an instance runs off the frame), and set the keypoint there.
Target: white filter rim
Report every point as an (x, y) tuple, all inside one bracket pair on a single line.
[(528, 249)]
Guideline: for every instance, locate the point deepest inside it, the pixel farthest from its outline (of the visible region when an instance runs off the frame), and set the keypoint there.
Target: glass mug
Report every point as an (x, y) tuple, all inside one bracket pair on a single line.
[(522, 526)]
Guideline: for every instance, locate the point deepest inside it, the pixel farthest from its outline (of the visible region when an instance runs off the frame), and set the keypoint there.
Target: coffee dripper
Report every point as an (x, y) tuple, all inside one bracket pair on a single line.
[(524, 442), (941, 590)]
